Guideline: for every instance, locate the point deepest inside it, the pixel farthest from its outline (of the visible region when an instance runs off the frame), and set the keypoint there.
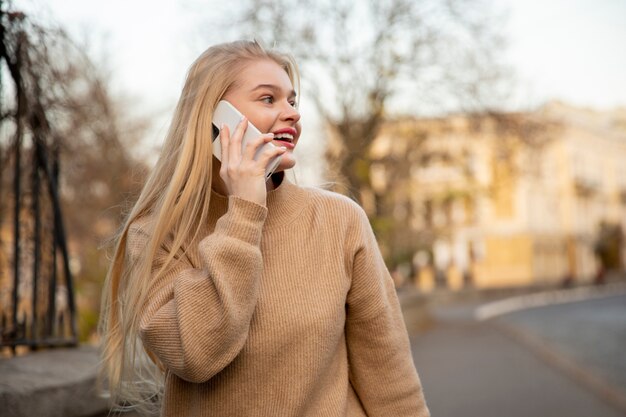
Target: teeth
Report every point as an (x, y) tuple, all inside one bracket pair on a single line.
[(286, 136)]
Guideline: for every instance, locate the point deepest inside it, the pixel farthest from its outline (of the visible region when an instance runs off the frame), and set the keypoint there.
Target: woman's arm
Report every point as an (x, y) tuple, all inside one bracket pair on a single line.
[(381, 365), (197, 319)]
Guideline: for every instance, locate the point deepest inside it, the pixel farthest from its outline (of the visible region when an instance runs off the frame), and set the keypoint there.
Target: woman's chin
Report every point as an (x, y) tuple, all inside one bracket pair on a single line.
[(286, 162)]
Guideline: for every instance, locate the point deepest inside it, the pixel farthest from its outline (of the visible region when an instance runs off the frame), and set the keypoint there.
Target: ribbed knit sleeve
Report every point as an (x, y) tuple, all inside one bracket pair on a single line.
[(379, 355), (197, 318)]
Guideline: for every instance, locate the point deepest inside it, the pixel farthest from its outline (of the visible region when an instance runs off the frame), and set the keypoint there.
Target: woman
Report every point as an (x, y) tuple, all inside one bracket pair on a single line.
[(253, 298)]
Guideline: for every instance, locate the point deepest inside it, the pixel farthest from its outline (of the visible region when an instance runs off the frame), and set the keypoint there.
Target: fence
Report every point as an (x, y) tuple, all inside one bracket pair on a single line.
[(37, 306), (37, 297)]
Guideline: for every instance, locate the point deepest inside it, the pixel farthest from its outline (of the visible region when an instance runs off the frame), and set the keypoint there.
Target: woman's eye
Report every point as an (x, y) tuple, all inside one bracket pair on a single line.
[(294, 104), (267, 99)]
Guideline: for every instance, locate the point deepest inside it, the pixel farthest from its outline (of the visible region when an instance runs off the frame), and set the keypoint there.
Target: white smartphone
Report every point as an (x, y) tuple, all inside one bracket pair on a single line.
[(226, 113)]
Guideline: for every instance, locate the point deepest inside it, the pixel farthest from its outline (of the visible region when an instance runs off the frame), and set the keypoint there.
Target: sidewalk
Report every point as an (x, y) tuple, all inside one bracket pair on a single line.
[(51, 383), (471, 368)]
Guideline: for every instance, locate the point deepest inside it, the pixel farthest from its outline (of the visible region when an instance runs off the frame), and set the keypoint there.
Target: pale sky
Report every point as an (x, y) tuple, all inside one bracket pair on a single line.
[(572, 50), (567, 49)]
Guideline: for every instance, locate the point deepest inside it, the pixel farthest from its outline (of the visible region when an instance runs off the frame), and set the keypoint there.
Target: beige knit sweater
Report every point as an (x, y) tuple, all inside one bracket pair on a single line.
[(281, 311)]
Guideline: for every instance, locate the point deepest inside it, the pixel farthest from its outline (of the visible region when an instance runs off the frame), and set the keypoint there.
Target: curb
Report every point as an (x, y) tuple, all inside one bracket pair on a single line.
[(525, 302)]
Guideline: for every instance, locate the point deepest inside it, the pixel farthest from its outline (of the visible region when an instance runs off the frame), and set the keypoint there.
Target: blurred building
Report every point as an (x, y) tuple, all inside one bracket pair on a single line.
[(509, 199)]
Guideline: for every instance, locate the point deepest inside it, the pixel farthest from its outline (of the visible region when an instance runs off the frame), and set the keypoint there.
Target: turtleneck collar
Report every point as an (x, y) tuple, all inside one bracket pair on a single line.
[(284, 203)]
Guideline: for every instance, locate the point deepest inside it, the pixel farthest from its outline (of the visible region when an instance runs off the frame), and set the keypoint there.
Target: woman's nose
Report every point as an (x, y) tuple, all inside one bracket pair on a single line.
[(291, 113)]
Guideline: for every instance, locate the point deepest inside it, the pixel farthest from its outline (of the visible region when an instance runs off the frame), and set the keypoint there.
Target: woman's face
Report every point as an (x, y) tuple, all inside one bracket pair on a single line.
[(264, 94)]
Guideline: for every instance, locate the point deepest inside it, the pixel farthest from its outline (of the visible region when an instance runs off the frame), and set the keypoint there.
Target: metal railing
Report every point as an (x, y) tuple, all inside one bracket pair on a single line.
[(37, 307)]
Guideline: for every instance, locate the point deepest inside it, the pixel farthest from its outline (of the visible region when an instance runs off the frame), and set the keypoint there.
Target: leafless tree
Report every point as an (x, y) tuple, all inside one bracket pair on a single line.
[(56, 99), (366, 60)]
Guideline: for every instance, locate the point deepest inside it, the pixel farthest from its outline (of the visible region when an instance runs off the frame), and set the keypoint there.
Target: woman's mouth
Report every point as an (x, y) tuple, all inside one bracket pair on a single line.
[(285, 137), (285, 140)]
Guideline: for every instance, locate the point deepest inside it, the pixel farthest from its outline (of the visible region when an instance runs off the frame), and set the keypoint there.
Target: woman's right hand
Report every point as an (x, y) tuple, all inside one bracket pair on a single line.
[(244, 176)]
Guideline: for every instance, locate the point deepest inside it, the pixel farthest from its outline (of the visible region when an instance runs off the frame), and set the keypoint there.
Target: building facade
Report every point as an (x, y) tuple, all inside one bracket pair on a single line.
[(511, 200)]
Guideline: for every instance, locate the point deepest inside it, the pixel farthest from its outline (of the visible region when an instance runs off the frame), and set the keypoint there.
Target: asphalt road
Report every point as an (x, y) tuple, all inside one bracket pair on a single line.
[(591, 333), (473, 369)]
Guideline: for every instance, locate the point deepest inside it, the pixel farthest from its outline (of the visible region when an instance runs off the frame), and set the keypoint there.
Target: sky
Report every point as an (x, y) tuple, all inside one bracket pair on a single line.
[(570, 50), (566, 49)]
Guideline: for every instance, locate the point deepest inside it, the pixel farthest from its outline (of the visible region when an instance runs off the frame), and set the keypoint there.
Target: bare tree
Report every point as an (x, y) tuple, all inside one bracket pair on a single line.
[(60, 102), (365, 60)]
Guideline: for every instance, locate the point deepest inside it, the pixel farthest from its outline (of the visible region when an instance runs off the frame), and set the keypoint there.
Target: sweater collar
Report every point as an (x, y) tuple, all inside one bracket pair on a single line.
[(284, 203)]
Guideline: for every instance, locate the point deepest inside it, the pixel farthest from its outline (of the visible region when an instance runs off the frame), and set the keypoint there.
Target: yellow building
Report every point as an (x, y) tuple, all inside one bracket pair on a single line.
[(511, 200)]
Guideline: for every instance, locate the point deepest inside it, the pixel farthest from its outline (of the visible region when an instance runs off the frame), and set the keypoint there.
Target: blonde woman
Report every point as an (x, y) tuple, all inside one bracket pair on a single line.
[(250, 298)]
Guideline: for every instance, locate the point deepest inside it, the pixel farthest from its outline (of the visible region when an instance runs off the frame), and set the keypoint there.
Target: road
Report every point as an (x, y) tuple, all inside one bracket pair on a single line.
[(470, 368)]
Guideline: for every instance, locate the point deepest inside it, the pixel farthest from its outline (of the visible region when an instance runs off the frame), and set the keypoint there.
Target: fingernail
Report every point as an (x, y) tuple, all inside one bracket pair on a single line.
[(271, 135)]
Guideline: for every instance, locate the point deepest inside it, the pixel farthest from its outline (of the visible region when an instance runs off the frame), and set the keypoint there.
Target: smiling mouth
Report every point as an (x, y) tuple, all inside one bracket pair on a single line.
[(284, 137)]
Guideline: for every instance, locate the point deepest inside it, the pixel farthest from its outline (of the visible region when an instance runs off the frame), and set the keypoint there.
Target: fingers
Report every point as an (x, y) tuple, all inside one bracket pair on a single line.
[(253, 146), (234, 154), (268, 154), (237, 161), (224, 141)]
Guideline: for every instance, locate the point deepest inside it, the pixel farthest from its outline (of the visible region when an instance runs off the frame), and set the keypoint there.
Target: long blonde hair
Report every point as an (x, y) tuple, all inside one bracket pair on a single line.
[(176, 198)]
